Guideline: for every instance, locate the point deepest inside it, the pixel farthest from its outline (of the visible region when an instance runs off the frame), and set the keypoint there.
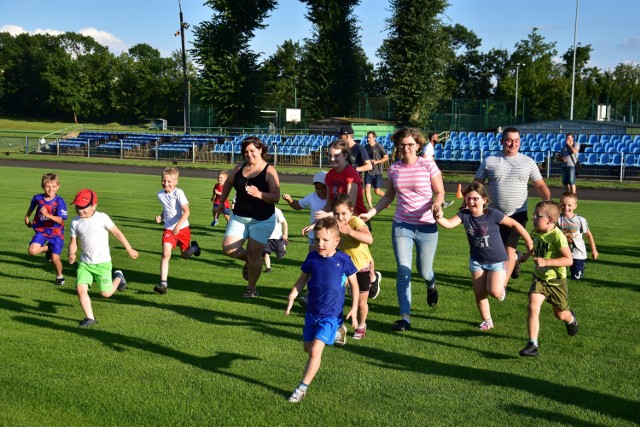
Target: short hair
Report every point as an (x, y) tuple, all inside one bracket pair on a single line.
[(509, 130), (171, 171), (372, 133), (569, 134), (258, 144), (403, 133), (327, 223), (342, 199), (550, 208), (431, 134), (48, 177), (479, 188), (569, 195), (343, 146), (223, 173)]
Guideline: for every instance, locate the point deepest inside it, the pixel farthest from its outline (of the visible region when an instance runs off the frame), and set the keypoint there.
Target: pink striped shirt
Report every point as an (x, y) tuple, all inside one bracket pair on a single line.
[(413, 190)]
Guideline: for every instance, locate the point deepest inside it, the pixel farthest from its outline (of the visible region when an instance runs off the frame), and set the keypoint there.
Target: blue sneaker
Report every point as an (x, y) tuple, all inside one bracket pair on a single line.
[(123, 283)]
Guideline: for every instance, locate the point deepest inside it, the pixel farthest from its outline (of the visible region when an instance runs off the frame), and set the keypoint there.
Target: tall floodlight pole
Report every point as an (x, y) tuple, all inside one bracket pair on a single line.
[(184, 26), (518, 65), (573, 74)]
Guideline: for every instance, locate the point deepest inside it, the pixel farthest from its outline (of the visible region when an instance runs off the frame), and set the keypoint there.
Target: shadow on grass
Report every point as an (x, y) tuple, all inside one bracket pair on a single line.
[(551, 417), (217, 364), (607, 405)]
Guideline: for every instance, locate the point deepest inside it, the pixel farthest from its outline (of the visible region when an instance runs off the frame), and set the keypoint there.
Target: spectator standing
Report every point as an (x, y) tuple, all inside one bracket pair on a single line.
[(373, 178), (507, 175), (569, 153), (418, 185), (429, 149), (358, 154)]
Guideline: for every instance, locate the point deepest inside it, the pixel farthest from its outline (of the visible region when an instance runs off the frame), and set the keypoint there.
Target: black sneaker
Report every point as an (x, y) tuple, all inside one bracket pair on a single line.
[(516, 268), (572, 328), (268, 270), (160, 289), (401, 325), (432, 296), (47, 255), (123, 283), (374, 291), (87, 322), (530, 350), (59, 281), (198, 251)]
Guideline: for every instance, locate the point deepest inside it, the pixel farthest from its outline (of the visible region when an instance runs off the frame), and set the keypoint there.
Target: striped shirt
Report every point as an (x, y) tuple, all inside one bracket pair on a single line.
[(413, 190), (507, 178)]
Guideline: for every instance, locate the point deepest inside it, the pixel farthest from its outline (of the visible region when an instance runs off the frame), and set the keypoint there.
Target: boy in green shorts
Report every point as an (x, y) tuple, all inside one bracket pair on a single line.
[(92, 229), (552, 256)]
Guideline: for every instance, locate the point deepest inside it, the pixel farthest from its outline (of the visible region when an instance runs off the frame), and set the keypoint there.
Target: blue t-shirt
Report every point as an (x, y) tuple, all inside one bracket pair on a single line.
[(483, 233), (326, 285)]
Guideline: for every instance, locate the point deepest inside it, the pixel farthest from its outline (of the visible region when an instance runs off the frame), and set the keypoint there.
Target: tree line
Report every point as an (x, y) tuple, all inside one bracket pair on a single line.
[(422, 62)]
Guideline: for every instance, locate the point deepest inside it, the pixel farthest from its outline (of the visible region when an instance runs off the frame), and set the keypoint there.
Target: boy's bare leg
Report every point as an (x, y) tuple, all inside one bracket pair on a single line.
[(85, 301), (315, 350), (535, 302), (164, 261)]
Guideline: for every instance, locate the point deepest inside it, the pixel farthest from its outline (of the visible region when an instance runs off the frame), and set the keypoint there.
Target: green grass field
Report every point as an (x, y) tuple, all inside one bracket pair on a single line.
[(202, 355)]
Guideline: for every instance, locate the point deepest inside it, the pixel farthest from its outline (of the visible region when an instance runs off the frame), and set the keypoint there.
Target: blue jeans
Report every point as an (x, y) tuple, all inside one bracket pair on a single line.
[(425, 238)]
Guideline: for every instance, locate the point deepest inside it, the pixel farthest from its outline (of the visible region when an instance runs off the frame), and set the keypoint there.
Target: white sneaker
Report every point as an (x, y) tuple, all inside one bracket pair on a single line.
[(341, 335), (297, 395)]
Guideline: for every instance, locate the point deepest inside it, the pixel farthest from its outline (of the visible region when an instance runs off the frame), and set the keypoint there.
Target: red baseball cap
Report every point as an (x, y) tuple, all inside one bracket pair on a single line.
[(85, 198)]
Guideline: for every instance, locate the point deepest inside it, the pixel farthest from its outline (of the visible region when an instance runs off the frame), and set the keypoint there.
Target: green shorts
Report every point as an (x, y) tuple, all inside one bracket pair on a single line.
[(555, 291), (101, 273)]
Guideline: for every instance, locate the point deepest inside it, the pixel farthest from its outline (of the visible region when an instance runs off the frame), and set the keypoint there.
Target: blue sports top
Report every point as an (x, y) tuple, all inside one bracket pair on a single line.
[(327, 282)]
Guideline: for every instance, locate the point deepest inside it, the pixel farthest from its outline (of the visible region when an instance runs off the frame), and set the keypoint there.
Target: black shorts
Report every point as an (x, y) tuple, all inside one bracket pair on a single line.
[(364, 281), (276, 246), (520, 217)]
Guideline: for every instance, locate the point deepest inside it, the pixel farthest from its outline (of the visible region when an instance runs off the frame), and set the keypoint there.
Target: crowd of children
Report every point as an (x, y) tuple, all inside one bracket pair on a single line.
[(338, 259)]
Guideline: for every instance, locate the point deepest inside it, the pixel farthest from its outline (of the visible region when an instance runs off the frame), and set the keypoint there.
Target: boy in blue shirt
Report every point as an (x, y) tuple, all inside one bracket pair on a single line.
[(325, 271), (48, 223)]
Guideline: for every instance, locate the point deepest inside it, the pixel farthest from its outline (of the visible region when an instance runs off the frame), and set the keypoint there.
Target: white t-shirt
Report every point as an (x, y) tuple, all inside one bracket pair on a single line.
[(314, 203), (277, 230), (172, 204), (93, 236), (429, 152)]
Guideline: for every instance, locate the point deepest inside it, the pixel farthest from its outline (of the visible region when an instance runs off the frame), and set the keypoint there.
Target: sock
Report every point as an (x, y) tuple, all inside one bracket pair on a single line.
[(534, 342), (302, 386), (59, 277), (407, 318), (572, 320), (163, 283), (431, 284)]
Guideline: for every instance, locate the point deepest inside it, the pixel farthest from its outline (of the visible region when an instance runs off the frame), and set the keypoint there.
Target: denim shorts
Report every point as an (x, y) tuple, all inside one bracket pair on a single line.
[(486, 266), (249, 228), (568, 175)]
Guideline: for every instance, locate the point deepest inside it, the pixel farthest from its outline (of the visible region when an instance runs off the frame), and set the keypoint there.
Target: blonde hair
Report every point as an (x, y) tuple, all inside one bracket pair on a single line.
[(49, 177), (223, 173), (569, 195), (171, 171)]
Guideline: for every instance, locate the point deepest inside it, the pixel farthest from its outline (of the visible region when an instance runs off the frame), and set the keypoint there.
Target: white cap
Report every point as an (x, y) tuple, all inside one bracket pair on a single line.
[(319, 177)]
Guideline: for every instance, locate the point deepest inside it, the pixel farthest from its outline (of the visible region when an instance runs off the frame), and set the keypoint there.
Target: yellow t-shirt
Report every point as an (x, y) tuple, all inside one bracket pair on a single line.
[(547, 246), (357, 251)]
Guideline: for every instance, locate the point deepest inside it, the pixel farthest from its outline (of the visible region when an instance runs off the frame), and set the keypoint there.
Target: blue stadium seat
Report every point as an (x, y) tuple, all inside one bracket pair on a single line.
[(604, 160), (582, 157), (592, 159), (540, 157), (446, 154), (629, 160), (616, 159), (476, 156), (593, 139), (466, 156)]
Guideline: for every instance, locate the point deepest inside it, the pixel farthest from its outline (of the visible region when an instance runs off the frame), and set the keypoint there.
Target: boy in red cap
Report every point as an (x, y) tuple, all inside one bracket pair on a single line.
[(92, 227)]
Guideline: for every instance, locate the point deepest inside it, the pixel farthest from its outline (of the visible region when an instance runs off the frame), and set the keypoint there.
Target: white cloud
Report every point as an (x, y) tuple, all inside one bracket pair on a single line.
[(48, 31), (114, 44), (14, 30), (632, 43)]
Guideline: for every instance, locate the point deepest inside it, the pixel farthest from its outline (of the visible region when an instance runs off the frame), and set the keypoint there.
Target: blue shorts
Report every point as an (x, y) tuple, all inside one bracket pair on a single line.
[(568, 175), (577, 269), (374, 180), (55, 243), (249, 228), (486, 266), (225, 211), (320, 328)]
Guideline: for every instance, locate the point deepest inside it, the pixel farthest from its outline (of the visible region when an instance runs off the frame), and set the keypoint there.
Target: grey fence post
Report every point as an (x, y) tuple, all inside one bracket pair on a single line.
[(121, 149), (275, 155), (156, 150), (88, 148), (26, 145), (57, 146), (621, 167), (548, 160), (321, 155), (193, 147)]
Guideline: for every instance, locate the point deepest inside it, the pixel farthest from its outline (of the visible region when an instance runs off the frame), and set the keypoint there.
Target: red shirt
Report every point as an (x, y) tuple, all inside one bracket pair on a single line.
[(216, 198), (337, 184)]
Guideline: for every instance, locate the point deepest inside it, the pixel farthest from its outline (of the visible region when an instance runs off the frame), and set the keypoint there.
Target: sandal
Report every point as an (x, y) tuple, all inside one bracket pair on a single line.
[(250, 293)]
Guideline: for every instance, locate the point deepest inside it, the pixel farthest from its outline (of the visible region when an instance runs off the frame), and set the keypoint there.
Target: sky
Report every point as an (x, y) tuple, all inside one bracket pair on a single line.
[(610, 27)]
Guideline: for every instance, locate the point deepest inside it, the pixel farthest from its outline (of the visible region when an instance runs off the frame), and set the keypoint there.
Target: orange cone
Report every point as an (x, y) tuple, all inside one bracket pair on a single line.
[(459, 193)]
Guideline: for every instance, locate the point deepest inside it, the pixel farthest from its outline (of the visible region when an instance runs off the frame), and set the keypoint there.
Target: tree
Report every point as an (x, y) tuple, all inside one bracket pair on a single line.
[(281, 73), (416, 53), (229, 71), (334, 63)]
